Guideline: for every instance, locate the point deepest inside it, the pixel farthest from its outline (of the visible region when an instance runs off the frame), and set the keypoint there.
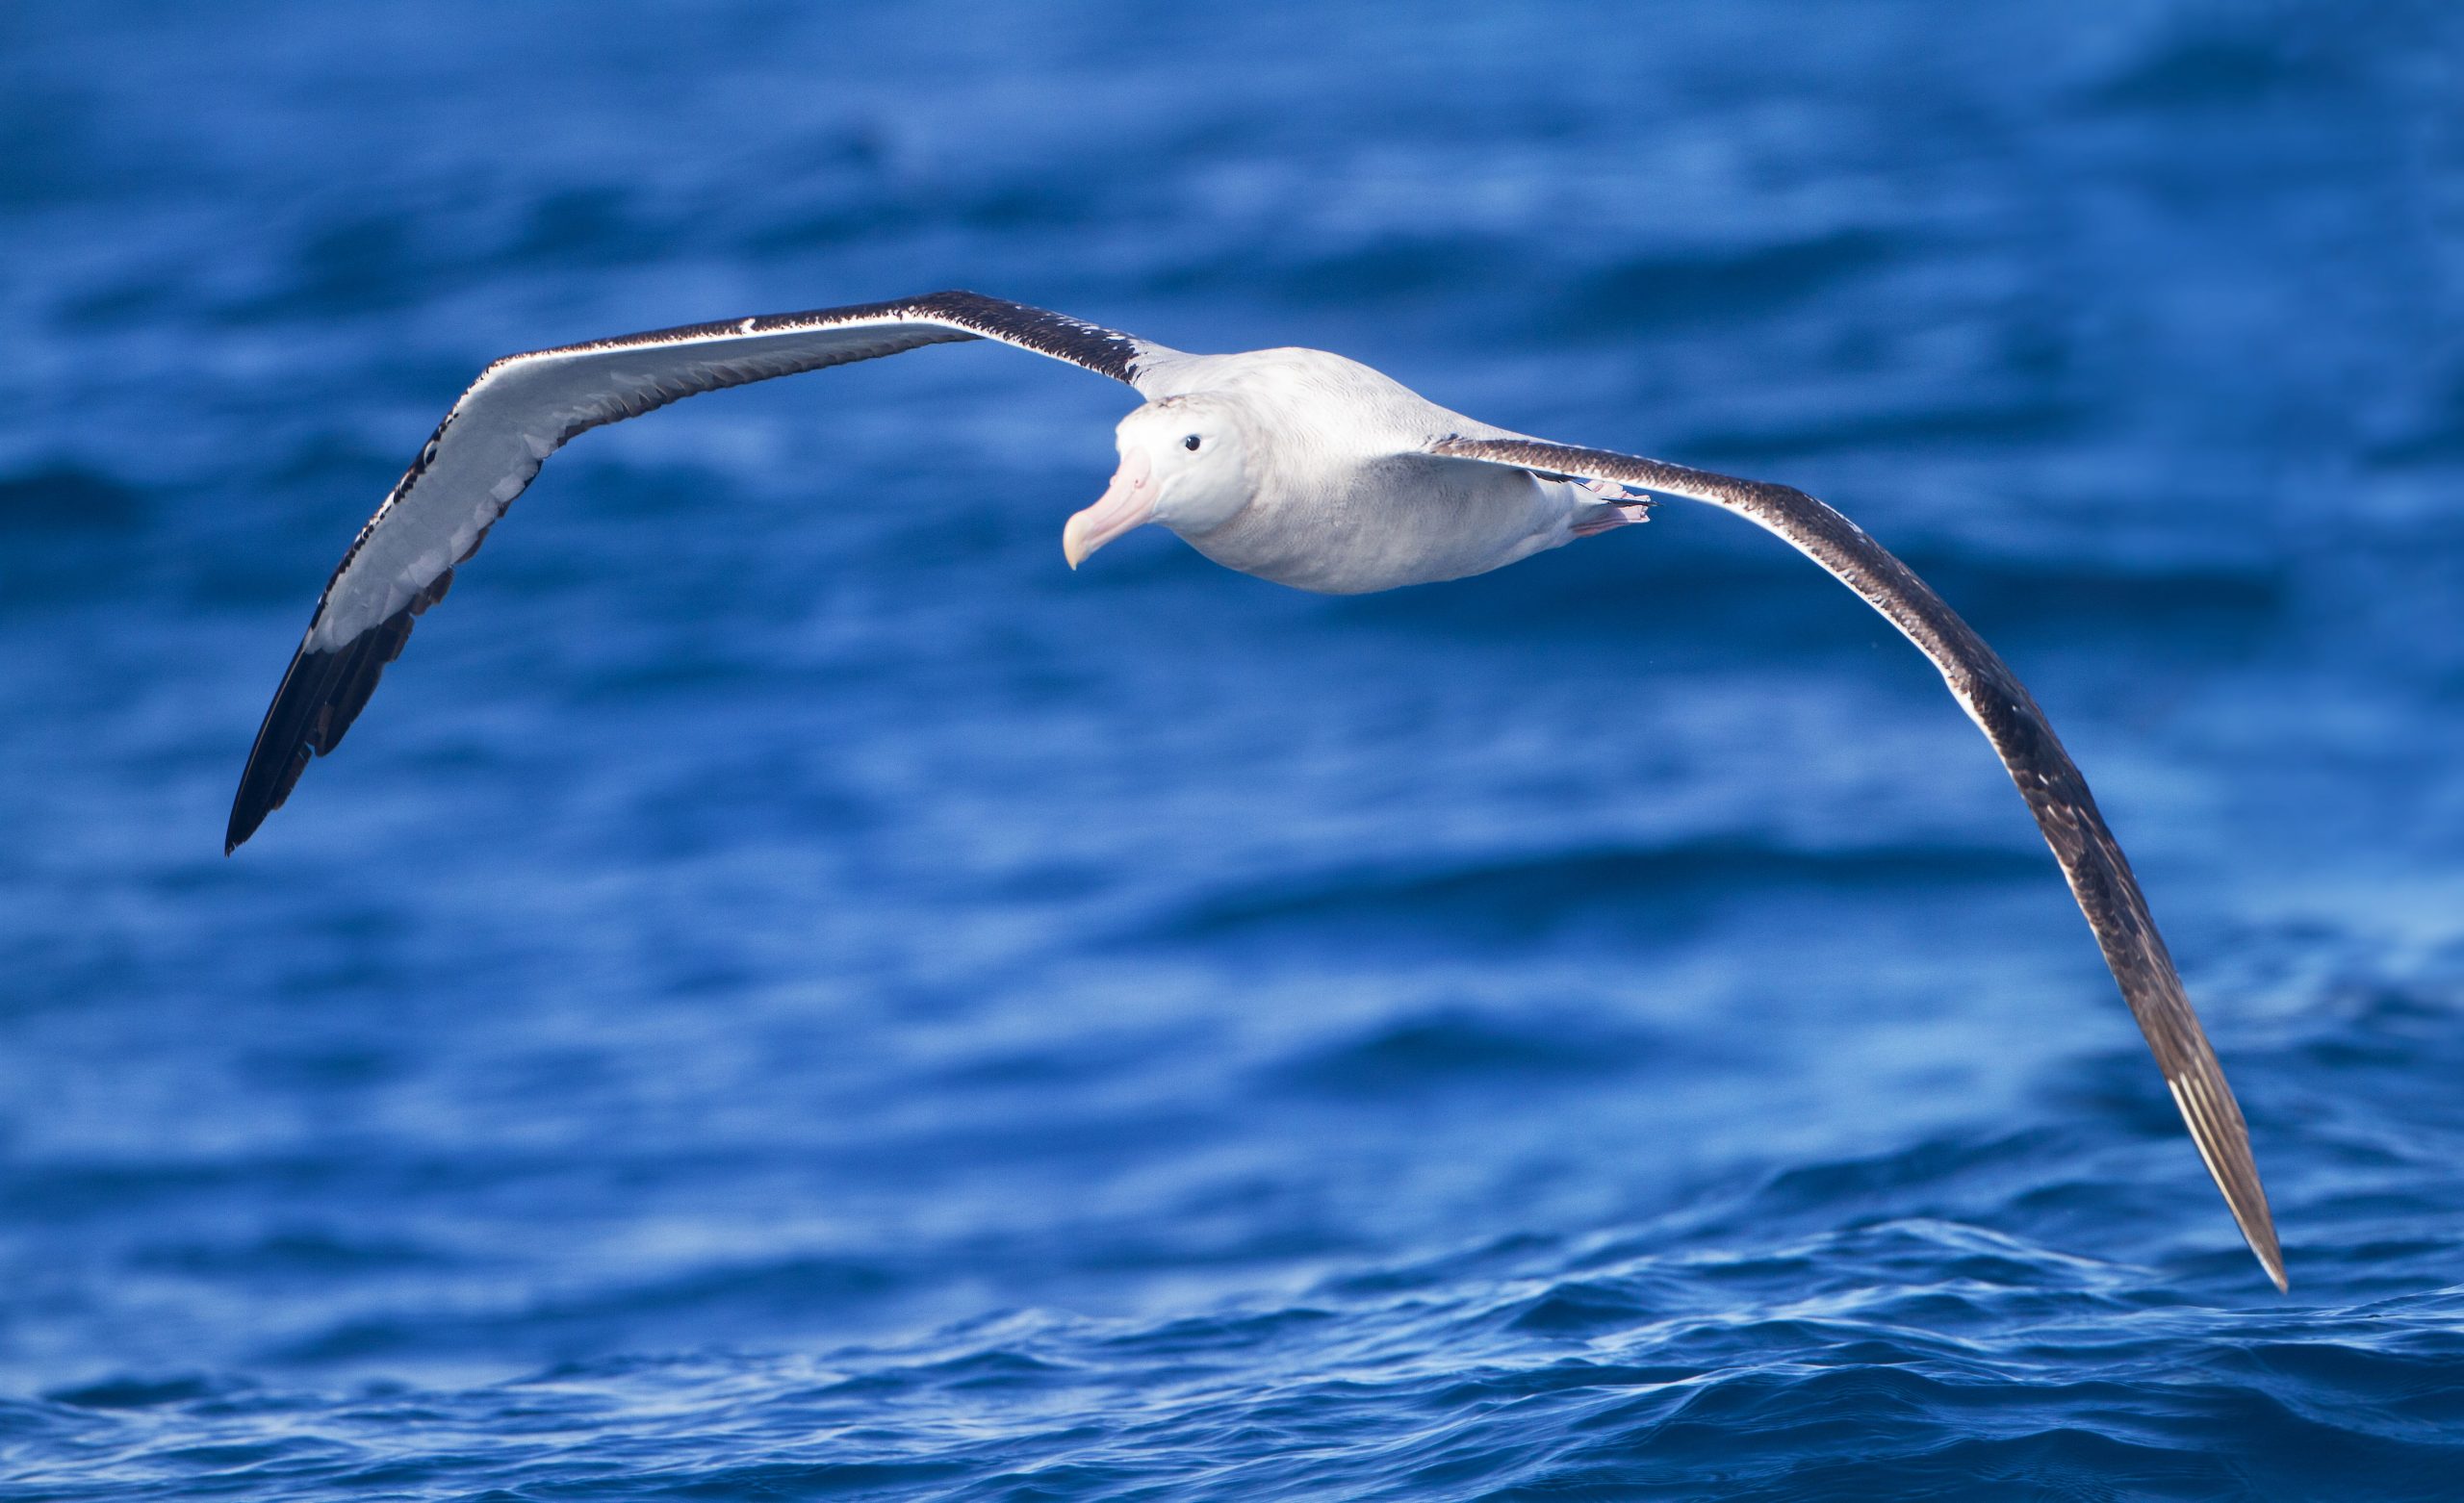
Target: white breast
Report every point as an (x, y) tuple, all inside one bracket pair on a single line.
[(1349, 499), (1398, 519)]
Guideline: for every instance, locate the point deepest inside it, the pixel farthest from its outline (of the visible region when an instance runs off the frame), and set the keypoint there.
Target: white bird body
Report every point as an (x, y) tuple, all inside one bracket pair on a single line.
[(1294, 465), (1335, 532), (1346, 498)]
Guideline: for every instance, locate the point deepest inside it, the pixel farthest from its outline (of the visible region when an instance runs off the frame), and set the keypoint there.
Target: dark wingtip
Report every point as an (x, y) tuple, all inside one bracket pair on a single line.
[(2270, 1258), (321, 695), (2205, 1098), (2259, 1230), (260, 795)]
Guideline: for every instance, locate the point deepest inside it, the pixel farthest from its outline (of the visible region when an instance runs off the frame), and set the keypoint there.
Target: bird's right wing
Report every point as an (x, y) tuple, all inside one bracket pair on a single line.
[(521, 409), (2099, 875)]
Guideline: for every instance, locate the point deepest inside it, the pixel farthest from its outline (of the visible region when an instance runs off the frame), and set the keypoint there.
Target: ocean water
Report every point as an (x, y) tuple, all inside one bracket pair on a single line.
[(791, 993)]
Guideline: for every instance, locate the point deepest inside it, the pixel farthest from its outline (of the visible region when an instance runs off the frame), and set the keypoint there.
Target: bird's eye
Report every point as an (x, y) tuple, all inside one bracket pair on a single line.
[(1189, 442)]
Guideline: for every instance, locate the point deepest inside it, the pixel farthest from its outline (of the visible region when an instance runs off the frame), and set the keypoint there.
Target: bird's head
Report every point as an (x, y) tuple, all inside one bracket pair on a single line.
[(1183, 462)]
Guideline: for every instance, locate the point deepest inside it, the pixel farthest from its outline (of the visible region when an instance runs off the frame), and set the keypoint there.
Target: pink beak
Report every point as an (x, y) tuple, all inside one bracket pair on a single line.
[(1129, 502)]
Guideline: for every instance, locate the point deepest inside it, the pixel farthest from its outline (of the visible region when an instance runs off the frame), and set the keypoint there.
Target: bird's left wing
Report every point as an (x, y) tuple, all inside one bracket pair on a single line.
[(2100, 877), (521, 409)]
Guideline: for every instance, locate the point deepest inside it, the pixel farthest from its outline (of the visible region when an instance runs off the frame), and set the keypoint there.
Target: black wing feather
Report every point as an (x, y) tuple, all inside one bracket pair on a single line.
[(2066, 812), (321, 695), (330, 681)]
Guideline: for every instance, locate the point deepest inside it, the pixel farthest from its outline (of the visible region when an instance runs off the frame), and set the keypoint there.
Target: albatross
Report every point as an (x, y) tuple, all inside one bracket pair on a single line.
[(1292, 465)]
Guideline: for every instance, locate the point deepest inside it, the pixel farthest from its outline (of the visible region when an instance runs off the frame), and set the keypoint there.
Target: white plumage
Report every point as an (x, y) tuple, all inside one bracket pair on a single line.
[(1294, 465)]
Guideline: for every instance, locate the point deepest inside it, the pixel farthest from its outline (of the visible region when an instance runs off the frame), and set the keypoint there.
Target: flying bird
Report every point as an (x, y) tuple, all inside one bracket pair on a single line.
[(1294, 465)]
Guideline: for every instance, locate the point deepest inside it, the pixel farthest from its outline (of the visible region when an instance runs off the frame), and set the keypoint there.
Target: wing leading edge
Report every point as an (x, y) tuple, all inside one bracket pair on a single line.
[(2066, 812), (525, 407)]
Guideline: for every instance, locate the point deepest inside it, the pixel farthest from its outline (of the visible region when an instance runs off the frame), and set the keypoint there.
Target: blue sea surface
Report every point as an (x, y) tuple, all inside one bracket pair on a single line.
[(788, 992)]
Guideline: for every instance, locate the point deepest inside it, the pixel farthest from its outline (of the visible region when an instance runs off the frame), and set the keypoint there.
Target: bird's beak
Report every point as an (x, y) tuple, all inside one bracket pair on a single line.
[(1129, 502)]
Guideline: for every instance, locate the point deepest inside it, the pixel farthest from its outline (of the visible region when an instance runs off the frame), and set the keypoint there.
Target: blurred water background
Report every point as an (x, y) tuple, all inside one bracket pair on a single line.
[(791, 993)]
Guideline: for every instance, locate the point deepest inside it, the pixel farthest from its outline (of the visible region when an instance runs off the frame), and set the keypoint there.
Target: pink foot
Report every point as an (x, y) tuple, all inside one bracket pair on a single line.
[(1617, 514)]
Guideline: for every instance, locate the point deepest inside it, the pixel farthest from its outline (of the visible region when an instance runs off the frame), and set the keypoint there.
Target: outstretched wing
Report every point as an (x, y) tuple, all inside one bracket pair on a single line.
[(521, 409), (1992, 695)]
